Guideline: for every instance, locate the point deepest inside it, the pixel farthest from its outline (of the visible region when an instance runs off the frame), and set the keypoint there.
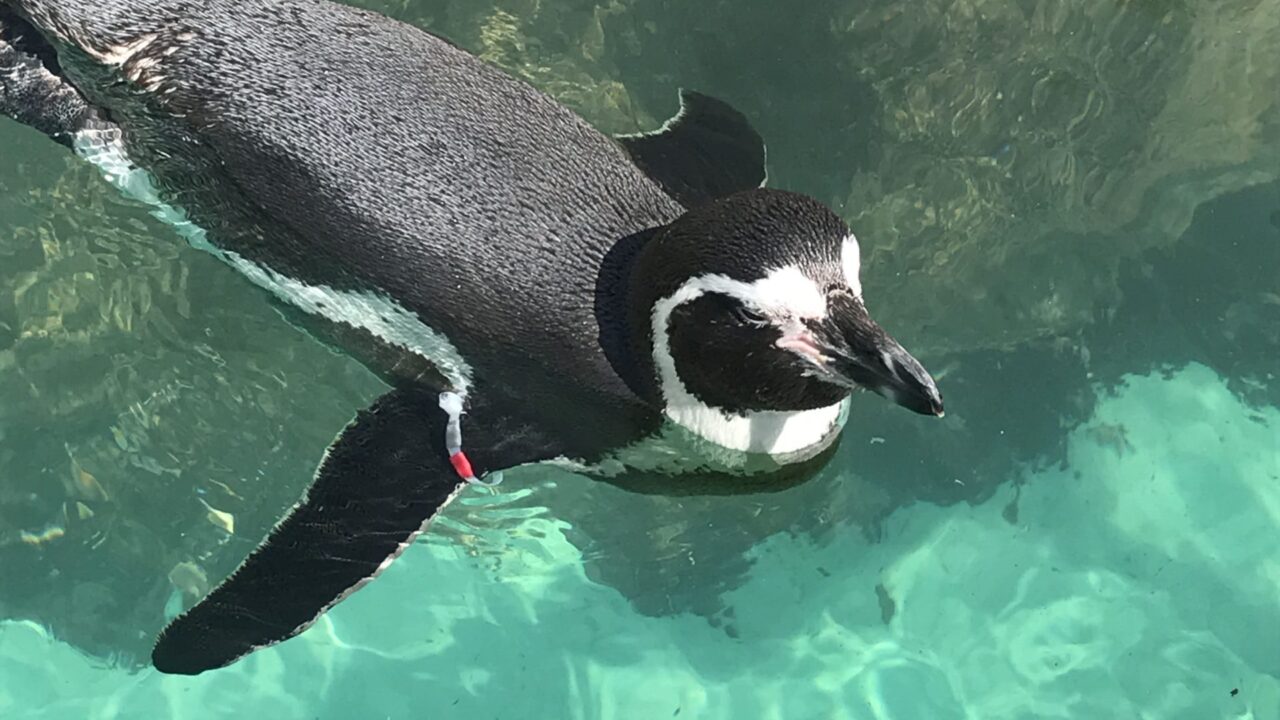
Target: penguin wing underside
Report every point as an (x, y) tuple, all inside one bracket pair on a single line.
[(385, 477), (707, 151)]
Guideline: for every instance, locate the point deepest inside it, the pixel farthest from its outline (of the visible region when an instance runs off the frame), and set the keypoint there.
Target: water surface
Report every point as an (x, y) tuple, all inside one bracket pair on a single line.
[(1072, 210)]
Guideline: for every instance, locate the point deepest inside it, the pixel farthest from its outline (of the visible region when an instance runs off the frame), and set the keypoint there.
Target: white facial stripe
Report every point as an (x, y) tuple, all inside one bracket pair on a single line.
[(381, 316), (851, 259), (785, 292), (788, 291)]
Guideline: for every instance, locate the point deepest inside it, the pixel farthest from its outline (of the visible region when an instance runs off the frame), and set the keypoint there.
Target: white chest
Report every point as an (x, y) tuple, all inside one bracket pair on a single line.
[(678, 450), (766, 432)]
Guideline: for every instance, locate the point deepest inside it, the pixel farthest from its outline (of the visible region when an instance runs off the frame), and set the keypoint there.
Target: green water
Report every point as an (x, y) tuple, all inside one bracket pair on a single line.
[(1070, 209)]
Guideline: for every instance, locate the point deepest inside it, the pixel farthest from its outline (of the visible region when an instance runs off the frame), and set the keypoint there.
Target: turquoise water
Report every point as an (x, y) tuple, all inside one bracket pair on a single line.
[(1071, 209)]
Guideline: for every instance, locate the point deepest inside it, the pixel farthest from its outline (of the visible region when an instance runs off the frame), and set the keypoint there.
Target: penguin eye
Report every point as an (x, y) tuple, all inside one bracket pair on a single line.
[(746, 316)]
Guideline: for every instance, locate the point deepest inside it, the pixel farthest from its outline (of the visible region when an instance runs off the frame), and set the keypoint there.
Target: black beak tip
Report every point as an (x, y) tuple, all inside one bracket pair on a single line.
[(929, 404), (933, 400), (922, 401), (923, 398)]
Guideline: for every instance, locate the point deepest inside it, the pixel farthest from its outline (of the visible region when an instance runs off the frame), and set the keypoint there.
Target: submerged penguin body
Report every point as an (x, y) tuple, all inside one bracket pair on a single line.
[(460, 233)]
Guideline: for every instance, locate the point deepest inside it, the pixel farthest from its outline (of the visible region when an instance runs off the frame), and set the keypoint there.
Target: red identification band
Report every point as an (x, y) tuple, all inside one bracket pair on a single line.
[(462, 465)]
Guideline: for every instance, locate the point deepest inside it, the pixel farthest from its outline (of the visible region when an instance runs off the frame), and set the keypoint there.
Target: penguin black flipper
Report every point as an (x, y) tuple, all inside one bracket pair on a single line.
[(384, 478), (707, 151)]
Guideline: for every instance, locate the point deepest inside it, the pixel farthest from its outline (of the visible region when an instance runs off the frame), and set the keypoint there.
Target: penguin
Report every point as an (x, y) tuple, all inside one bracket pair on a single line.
[(640, 308)]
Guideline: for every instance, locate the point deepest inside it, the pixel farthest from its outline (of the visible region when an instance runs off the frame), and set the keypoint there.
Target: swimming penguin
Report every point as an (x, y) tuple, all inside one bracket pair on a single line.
[(640, 308)]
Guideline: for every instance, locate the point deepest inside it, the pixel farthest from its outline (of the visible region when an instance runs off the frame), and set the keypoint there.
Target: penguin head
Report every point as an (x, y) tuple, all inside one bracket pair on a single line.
[(755, 304)]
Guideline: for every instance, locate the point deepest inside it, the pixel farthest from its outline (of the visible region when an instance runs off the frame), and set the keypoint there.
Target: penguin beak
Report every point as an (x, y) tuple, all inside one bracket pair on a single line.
[(850, 349)]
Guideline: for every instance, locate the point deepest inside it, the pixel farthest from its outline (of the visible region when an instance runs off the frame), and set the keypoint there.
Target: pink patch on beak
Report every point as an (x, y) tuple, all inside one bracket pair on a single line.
[(803, 344)]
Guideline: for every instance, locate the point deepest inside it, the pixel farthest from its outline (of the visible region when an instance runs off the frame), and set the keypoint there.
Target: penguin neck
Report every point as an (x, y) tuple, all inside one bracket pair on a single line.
[(654, 271), (622, 312)]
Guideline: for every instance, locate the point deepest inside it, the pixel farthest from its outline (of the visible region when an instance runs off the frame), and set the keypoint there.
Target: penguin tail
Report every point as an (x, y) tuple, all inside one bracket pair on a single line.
[(32, 88)]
